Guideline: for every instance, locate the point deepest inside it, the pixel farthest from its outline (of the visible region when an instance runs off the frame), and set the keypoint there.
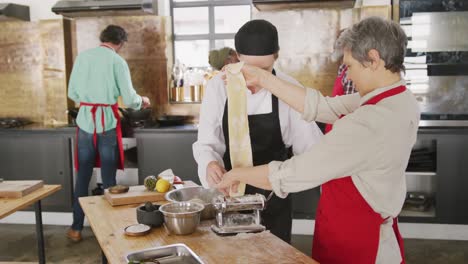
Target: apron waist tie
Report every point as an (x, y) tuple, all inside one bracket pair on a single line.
[(115, 111), (93, 113)]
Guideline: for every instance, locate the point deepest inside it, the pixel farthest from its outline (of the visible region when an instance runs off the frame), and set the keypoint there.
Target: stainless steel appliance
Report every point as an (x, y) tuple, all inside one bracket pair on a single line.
[(10, 11), (233, 215), (437, 59), (85, 8)]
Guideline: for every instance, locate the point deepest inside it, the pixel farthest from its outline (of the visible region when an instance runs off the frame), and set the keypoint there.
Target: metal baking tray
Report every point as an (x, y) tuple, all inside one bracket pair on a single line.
[(175, 253)]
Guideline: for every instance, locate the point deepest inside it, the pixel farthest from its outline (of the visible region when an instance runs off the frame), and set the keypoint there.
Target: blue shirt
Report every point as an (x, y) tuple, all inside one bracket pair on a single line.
[(100, 75)]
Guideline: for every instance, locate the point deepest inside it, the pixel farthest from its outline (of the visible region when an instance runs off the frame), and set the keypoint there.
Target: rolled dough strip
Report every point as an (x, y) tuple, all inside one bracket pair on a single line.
[(240, 149)]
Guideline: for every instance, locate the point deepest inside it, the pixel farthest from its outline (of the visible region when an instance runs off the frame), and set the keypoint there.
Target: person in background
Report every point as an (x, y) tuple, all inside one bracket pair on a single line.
[(342, 85), (361, 163), (219, 58), (98, 78), (274, 126)]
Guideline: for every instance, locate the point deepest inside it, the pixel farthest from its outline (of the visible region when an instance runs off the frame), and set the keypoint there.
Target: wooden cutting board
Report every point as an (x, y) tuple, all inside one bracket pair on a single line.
[(18, 189), (138, 194)]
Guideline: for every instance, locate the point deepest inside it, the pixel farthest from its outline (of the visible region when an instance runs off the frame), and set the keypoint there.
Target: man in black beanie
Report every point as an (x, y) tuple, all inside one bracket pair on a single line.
[(274, 127)]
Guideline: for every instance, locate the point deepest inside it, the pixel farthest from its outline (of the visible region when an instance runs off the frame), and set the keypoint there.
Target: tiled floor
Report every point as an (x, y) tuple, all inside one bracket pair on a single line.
[(18, 243)]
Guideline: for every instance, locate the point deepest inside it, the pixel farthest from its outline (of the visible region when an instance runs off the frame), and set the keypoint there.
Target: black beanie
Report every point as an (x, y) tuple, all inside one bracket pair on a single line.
[(257, 38)]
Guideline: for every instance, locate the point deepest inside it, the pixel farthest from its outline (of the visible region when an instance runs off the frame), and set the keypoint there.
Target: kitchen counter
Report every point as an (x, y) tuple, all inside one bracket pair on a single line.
[(40, 152), (40, 128), (168, 129), (211, 248)]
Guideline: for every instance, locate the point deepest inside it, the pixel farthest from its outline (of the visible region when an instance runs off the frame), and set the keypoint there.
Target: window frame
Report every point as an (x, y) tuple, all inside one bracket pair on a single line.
[(211, 36)]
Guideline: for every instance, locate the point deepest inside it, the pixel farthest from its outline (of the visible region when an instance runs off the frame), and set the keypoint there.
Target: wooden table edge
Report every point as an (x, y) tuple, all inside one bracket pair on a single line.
[(54, 189), (91, 224)]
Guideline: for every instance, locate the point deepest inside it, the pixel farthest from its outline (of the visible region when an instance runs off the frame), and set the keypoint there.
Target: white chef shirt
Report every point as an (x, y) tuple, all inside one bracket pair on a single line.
[(210, 145), (372, 144)]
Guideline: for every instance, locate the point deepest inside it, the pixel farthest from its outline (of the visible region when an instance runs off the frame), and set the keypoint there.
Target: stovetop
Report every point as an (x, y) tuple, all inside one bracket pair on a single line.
[(14, 122)]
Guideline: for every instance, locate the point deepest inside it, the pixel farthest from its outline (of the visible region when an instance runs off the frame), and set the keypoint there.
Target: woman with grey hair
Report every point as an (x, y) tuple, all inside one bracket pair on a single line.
[(363, 179)]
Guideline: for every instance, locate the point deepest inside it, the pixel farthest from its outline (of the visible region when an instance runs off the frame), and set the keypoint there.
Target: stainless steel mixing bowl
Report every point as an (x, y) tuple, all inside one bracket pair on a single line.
[(196, 194), (182, 218)]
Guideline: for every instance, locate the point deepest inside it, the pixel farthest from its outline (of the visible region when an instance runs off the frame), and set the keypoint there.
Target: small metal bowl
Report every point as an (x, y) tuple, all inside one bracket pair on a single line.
[(196, 194), (182, 218)]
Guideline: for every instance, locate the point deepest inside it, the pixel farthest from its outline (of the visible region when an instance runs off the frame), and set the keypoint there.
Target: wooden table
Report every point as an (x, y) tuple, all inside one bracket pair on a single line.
[(108, 225), (9, 206)]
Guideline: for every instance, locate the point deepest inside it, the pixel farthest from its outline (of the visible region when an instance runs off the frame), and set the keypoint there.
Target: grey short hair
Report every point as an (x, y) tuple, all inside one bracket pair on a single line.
[(338, 46), (385, 36)]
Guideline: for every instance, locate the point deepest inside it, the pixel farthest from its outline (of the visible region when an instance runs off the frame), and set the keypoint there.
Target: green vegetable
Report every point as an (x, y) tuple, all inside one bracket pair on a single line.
[(150, 182)]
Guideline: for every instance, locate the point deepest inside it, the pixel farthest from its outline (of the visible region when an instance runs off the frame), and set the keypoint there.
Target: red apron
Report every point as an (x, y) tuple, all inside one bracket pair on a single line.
[(337, 91), (347, 229), (118, 130)]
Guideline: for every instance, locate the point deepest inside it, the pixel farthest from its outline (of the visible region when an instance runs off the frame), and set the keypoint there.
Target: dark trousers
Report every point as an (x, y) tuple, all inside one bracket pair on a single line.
[(107, 149)]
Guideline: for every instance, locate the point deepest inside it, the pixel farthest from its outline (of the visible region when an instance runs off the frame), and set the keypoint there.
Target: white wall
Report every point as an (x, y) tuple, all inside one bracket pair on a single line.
[(38, 9)]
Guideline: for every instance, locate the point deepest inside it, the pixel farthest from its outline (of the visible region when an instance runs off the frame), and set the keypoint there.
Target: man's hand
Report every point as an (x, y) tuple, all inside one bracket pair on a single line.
[(214, 173), (145, 102)]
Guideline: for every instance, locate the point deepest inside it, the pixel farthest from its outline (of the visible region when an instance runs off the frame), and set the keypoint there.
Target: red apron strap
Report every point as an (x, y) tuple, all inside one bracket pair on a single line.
[(102, 121), (399, 239), (118, 130), (93, 113), (388, 93)]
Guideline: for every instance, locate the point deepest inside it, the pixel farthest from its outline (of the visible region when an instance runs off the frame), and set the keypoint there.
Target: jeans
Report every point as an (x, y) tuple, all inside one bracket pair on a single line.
[(108, 151)]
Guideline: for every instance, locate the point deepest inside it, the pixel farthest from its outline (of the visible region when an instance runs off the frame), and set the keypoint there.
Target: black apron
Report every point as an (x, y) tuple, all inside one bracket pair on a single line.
[(267, 145)]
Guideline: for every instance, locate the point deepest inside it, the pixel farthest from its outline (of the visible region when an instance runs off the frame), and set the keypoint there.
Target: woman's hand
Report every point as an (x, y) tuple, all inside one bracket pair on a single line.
[(256, 176), (229, 181), (253, 76)]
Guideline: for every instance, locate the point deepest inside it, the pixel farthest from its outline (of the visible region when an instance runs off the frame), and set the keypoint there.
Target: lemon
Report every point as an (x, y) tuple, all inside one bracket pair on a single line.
[(162, 185)]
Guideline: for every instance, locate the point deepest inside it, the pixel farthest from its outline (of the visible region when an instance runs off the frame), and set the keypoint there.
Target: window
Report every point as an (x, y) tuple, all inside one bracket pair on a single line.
[(203, 25)]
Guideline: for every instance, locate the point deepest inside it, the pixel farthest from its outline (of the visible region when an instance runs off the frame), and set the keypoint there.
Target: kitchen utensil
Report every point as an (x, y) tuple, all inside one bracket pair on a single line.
[(177, 94), (182, 218), (18, 189), (137, 230), (204, 196), (135, 195), (418, 201), (195, 93), (176, 253), (136, 118), (231, 217), (149, 214), (133, 114), (172, 120), (118, 189)]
